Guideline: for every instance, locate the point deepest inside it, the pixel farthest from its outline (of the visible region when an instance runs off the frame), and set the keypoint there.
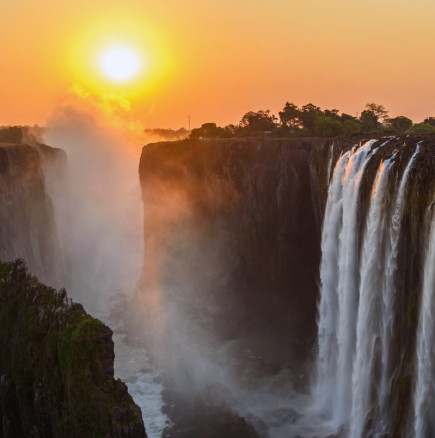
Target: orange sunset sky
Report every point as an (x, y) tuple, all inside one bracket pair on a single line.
[(216, 60)]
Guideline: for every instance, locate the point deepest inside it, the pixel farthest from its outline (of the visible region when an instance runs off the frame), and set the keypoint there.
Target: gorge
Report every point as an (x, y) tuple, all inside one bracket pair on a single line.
[(238, 227), (285, 288)]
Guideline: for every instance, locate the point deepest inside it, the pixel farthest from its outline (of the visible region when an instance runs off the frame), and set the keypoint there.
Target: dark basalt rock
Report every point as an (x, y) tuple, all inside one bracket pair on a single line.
[(56, 366), (232, 243), (233, 226), (28, 228)]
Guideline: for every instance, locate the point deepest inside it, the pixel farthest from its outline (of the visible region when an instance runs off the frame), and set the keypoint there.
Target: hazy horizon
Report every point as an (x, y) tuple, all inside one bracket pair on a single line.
[(215, 61)]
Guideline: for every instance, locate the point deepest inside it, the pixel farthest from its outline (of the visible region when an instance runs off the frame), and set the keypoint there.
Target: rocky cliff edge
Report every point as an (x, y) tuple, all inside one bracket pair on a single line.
[(56, 366)]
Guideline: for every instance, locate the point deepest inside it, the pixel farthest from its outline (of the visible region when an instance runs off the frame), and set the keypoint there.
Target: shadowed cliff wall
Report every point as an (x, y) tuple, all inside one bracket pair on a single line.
[(28, 228), (232, 236)]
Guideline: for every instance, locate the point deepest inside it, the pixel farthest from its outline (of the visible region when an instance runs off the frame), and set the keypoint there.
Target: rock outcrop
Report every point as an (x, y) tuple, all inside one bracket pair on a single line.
[(56, 366), (28, 227)]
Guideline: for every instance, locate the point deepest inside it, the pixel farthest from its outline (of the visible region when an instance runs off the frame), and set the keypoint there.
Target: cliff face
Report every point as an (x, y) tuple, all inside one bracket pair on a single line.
[(28, 229), (232, 233), (232, 242), (56, 366)]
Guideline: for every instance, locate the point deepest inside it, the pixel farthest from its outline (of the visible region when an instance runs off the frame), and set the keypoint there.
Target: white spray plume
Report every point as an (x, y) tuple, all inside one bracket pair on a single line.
[(98, 207)]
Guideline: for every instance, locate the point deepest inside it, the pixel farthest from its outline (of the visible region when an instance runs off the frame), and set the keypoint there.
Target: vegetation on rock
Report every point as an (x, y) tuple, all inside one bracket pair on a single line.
[(312, 121), (56, 366)]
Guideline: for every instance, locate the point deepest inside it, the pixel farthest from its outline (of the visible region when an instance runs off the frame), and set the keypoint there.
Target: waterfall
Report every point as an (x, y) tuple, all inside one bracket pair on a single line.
[(338, 275), (424, 399), (369, 310), (389, 289), (358, 286)]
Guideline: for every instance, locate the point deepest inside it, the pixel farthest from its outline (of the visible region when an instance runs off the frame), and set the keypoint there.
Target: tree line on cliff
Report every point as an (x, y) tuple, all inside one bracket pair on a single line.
[(310, 120)]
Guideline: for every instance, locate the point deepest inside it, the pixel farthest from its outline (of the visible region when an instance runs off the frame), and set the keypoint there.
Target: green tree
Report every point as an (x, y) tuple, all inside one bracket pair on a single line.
[(328, 127), (345, 117), (333, 114), (351, 127), (290, 116), (430, 121), (379, 111), (421, 128), (372, 117), (400, 123), (369, 121), (259, 121), (309, 115)]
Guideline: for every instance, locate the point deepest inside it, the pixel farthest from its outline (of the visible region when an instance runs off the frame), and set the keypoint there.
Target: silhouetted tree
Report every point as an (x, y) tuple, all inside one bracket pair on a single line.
[(231, 130), (430, 121), (208, 130), (332, 114), (369, 121), (259, 121), (308, 116), (312, 120), (378, 111), (290, 116)]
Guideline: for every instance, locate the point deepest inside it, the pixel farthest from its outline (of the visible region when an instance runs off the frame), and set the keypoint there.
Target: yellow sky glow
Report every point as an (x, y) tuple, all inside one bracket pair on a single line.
[(215, 60)]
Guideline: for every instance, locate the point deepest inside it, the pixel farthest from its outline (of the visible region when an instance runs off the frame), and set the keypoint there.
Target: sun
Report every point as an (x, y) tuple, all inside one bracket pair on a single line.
[(120, 63)]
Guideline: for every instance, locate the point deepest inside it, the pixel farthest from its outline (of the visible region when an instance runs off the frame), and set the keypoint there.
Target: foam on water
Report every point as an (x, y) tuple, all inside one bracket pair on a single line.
[(133, 366)]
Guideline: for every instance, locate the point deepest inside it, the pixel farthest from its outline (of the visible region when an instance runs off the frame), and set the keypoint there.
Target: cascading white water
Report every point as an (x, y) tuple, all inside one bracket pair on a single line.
[(370, 306), (389, 290), (328, 348), (347, 287), (376, 305), (356, 308), (424, 398), (338, 274)]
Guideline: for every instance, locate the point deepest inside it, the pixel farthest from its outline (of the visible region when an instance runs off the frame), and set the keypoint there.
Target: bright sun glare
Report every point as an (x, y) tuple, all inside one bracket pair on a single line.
[(120, 63)]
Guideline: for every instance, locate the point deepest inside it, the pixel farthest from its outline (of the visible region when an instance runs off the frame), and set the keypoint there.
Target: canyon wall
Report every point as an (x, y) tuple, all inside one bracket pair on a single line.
[(28, 228), (232, 236)]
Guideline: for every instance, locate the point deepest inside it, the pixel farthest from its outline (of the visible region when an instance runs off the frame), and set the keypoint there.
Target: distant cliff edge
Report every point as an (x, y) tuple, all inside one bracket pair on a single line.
[(28, 228)]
